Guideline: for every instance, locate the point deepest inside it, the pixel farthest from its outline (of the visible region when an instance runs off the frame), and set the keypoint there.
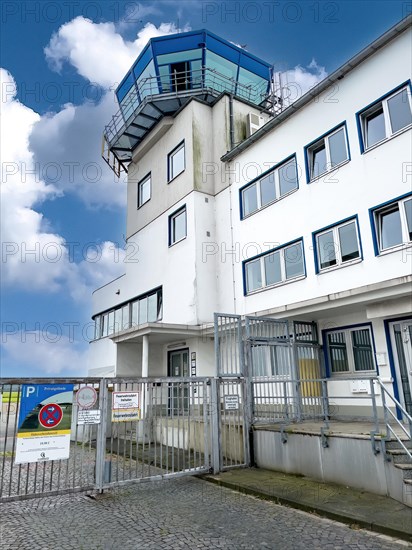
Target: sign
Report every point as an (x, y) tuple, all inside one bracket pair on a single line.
[(86, 397), (231, 402), (44, 425), (86, 417), (125, 406), (193, 363)]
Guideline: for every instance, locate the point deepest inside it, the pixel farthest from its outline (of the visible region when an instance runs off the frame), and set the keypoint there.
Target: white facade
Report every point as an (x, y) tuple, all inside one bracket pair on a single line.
[(205, 271)]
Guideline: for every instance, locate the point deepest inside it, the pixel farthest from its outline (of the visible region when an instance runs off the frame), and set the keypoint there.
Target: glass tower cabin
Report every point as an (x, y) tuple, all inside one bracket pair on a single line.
[(168, 73)]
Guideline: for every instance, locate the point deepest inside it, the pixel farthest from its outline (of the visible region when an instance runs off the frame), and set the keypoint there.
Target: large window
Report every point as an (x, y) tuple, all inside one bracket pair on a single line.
[(392, 224), (337, 245), (327, 152), (270, 187), (176, 161), (177, 226), (386, 117), (275, 267), (147, 308), (350, 350), (144, 190)]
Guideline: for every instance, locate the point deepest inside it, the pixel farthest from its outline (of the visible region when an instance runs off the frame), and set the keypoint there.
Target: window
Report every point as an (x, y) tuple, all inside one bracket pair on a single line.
[(349, 350), (274, 267), (177, 226), (337, 245), (271, 186), (145, 309), (385, 117), (326, 153), (176, 161), (392, 224), (144, 190)]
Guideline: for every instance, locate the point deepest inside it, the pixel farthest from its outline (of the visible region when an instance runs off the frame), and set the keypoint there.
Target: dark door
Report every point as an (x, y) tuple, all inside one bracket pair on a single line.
[(178, 391), (401, 334)]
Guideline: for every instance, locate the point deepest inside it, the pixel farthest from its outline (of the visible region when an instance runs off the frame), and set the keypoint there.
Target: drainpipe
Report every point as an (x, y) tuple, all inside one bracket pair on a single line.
[(231, 123)]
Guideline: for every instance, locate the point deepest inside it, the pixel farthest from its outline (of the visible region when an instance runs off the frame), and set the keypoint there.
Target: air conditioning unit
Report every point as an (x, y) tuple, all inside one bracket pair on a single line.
[(253, 123)]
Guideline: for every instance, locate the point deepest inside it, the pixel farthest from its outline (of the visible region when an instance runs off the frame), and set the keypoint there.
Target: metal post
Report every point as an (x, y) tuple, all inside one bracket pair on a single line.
[(101, 436), (215, 425), (385, 414), (325, 404), (374, 407)]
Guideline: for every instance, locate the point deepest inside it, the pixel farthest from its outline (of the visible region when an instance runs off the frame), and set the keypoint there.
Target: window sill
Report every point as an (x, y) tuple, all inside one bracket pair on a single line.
[(375, 145), (396, 248), (177, 242), (270, 287), (328, 172), (340, 266), (245, 217), (176, 176)]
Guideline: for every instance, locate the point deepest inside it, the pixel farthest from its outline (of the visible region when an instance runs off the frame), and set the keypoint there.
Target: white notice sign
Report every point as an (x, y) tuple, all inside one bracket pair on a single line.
[(231, 402), (125, 406), (86, 416)]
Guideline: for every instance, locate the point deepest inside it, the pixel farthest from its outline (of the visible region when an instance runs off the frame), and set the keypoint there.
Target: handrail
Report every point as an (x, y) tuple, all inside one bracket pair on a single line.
[(201, 80), (390, 432)]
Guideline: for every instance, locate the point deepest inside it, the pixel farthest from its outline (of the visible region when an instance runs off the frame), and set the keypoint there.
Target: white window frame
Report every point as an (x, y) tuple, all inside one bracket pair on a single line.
[(325, 140), (283, 280), (337, 246), (404, 225), (256, 184), (170, 175), (386, 117), (148, 178), (172, 217), (349, 352)]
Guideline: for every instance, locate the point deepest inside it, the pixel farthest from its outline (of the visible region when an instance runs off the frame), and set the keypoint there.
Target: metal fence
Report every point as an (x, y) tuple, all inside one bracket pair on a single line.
[(181, 426)]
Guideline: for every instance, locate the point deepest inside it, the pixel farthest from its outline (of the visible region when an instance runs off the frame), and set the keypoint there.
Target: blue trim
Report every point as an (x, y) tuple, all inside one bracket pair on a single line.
[(173, 215), (306, 147), (332, 225), (252, 182), (266, 253), (372, 218), (359, 113), (386, 324), (325, 332)]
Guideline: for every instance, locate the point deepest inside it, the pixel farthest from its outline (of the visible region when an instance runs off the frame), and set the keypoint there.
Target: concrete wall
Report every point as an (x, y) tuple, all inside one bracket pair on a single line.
[(347, 461)]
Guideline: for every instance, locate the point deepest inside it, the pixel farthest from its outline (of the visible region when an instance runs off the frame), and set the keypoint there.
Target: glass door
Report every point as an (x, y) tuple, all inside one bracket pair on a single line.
[(401, 334), (178, 391)]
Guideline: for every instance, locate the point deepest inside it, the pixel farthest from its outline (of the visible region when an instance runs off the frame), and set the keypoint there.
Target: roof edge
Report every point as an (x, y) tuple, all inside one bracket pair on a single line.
[(338, 74)]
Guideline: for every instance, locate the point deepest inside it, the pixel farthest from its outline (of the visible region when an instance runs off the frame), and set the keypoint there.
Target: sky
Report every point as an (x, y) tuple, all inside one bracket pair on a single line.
[(62, 209)]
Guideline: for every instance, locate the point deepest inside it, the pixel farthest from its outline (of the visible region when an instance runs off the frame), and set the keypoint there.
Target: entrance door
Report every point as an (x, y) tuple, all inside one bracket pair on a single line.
[(401, 334), (178, 391)]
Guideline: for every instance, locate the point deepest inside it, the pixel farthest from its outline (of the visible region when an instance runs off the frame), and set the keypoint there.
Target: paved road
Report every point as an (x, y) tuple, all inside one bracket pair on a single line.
[(174, 514)]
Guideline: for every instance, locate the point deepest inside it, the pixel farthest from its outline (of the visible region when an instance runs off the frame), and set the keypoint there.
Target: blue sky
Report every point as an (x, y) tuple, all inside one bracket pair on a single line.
[(63, 213)]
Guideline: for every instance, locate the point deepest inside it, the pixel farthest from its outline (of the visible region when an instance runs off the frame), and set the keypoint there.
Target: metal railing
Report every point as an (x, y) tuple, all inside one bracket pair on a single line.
[(204, 81), (388, 414)]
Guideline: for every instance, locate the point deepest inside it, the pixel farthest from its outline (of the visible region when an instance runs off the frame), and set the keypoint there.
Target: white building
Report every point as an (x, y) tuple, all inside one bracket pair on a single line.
[(240, 204)]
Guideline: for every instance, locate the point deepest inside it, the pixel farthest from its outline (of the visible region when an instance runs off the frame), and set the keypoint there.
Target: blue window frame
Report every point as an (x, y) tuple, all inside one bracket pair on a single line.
[(385, 117), (327, 152), (274, 184), (349, 350), (337, 245), (176, 161), (276, 267), (392, 224), (177, 226)]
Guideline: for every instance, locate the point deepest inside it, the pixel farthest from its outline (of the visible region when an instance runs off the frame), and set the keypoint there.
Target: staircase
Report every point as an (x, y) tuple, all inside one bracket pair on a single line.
[(398, 456)]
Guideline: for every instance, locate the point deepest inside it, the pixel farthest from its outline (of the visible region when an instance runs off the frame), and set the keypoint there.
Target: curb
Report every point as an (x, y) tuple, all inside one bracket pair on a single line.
[(313, 509)]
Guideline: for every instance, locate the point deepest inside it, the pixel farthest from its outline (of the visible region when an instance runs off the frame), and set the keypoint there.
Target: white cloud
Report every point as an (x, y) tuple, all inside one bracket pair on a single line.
[(97, 51), (296, 82), (49, 352), (33, 256)]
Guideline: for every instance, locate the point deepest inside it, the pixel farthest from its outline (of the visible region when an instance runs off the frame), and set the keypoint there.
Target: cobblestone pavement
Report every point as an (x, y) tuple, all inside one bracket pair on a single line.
[(173, 514)]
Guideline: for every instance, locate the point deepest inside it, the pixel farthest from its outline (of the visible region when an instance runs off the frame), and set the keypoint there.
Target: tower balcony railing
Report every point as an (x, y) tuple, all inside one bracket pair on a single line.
[(206, 82)]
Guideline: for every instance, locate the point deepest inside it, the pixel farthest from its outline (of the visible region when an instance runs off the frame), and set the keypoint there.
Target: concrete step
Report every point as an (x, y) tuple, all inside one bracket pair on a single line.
[(406, 469), (394, 444), (399, 456)]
